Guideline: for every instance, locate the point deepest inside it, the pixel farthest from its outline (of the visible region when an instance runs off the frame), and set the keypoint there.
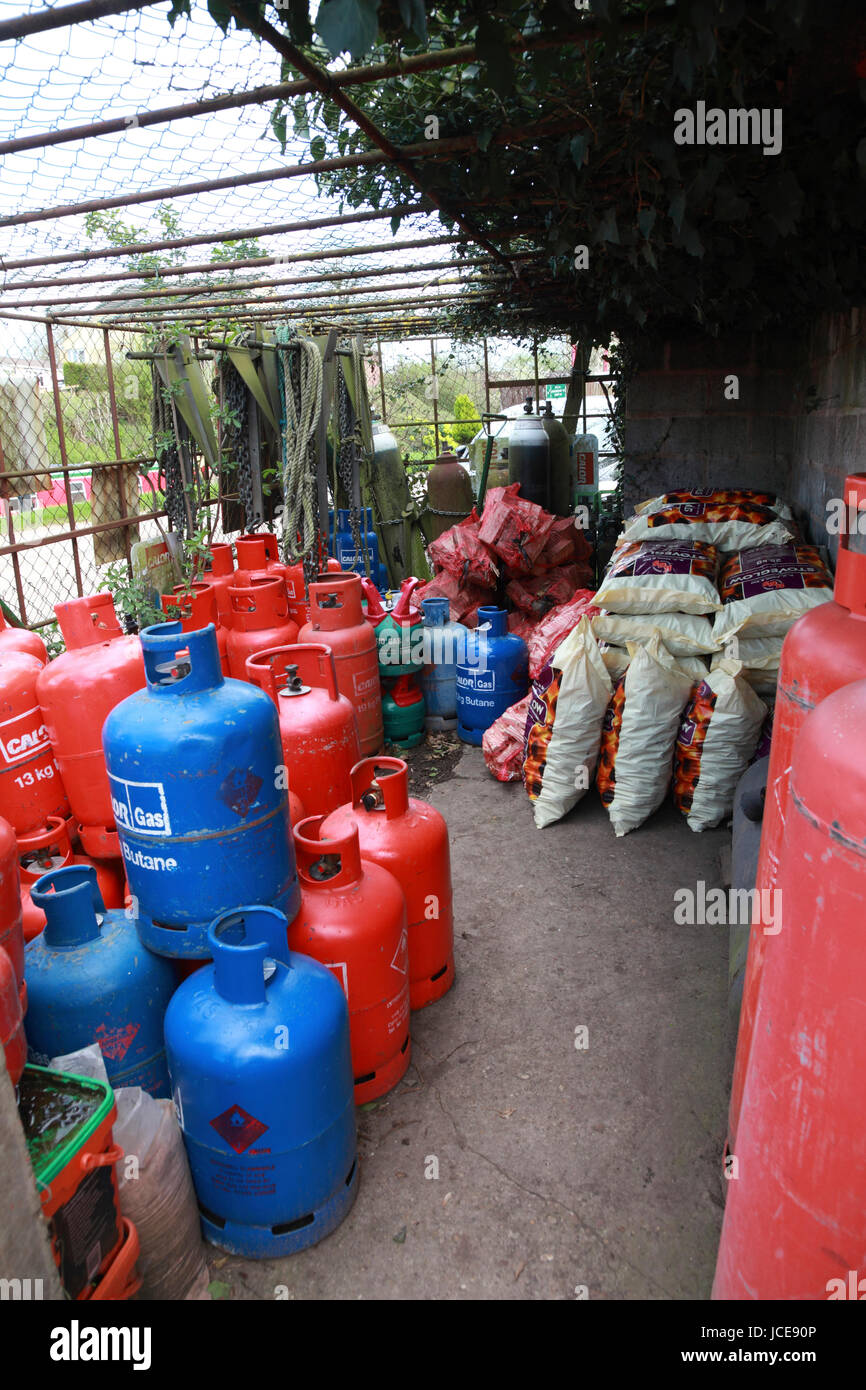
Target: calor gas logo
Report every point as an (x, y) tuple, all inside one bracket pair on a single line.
[(23, 736)]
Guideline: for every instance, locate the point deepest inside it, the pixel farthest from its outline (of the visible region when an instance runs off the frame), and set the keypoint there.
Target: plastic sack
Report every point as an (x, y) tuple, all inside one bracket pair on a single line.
[(729, 520), (567, 704), (547, 635), (761, 658), (616, 659), (87, 1061), (718, 734), (661, 577), (684, 634), (638, 735), (538, 594), (765, 591), (502, 743), (459, 552), (516, 529), (157, 1195), (724, 497), (765, 738)]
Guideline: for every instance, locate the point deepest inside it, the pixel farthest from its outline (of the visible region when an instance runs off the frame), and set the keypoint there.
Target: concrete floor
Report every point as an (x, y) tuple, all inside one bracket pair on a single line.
[(563, 1172)]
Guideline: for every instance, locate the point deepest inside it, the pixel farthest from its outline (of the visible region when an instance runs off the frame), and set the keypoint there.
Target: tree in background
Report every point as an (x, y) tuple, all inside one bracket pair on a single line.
[(465, 410)]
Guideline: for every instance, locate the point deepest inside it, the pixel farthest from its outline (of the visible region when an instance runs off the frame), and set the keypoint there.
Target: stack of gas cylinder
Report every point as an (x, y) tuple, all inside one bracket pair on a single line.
[(438, 675), (795, 1217), (258, 964)]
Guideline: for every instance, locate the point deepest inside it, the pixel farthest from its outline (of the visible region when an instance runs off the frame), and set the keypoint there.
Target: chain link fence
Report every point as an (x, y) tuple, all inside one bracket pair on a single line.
[(79, 482)]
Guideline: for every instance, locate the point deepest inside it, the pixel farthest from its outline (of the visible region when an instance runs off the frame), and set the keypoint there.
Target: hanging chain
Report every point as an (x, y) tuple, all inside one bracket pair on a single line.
[(236, 437), (167, 422)]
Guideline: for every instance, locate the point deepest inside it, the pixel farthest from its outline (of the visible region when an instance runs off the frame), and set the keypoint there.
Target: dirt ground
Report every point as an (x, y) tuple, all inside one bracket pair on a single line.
[(559, 1132)]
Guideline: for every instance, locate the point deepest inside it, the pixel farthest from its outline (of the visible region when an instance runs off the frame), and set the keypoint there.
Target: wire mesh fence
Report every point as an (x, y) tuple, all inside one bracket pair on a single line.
[(80, 481)]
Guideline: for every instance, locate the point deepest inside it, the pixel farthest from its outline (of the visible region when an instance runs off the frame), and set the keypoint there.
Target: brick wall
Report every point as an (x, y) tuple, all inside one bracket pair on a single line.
[(830, 427), (682, 431), (797, 428)]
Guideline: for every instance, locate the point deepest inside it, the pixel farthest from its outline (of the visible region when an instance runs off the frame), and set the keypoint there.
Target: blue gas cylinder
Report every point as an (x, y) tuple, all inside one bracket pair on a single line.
[(90, 980), (261, 1074), (199, 793), (347, 552), (445, 644), (494, 675)]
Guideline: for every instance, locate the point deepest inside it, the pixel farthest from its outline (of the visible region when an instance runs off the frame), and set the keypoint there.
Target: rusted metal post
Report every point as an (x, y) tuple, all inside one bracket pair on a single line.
[(64, 462), (435, 395), (115, 425), (381, 380), (19, 586), (486, 379)]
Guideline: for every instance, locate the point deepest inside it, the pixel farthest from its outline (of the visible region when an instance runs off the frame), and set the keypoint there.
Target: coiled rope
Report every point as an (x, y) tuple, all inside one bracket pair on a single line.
[(300, 366)]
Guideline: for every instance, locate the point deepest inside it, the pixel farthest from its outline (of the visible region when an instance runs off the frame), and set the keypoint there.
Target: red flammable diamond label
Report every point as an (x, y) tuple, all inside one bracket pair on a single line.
[(116, 1042), (239, 1128)]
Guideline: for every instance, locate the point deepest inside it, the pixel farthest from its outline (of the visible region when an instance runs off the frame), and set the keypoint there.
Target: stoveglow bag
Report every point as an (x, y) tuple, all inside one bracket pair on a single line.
[(661, 577), (616, 659), (729, 520), (720, 497), (718, 734), (761, 658), (684, 634), (765, 591), (563, 725), (638, 735)]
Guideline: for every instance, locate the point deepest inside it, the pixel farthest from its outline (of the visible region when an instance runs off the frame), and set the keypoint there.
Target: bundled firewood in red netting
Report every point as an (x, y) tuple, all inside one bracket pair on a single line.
[(564, 545), (523, 624), (464, 599), (503, 742), (515, 529), (460, 552), (537, 594), (547, 635)]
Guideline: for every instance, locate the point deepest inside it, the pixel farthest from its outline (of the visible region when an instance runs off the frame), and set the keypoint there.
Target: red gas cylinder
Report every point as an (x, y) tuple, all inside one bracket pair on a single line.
[(297, 593), (11, 929), (795, 1219), (31, 786), (260, 619), (51, 848), (21, 639), (353, 920), (258, 551), (372, 602), (260, 554), (409, 838), (318, 727), (220, 574), (77, 692), (825, 650), (337, 619), (296, 808), (12, 1038), (194, 606)]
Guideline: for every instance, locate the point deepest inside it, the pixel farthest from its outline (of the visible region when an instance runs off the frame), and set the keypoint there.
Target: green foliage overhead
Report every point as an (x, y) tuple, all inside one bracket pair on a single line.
[(721, 236)]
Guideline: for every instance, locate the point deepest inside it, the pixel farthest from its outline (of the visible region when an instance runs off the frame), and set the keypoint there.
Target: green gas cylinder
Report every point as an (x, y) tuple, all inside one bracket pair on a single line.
[(403, 711), (400, 635)]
